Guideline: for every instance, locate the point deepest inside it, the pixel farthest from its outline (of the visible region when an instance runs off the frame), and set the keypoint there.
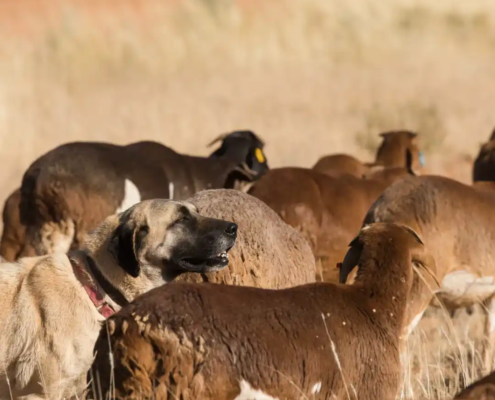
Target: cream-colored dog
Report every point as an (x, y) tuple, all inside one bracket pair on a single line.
[(52, 306)]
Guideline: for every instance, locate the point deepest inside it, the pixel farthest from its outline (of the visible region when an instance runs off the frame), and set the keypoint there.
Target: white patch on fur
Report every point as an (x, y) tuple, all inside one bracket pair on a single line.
[(463, 283), (249, 393), (131, 196), (316, 388), (171, 190), (414, 322)]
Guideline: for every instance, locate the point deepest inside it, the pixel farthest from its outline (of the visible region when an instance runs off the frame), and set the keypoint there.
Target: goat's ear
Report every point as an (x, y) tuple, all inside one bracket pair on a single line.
[(413, 233), (217, 139), (424, 261), (351, 259), (123, 248), (409, 162), (412, 135)]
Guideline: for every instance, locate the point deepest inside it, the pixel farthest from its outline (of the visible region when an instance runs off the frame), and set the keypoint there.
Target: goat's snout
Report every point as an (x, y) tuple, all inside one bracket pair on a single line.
[(231, 229)]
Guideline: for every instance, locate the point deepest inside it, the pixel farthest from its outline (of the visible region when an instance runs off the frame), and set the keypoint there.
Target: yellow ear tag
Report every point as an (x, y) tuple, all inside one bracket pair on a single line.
[(259, 155)]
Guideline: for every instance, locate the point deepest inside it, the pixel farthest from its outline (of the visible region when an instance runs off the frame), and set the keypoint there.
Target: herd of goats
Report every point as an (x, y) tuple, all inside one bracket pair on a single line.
[(136, 272)]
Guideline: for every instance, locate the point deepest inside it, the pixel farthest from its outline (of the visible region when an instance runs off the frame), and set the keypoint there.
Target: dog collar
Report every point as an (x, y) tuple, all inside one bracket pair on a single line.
[(96, 295)]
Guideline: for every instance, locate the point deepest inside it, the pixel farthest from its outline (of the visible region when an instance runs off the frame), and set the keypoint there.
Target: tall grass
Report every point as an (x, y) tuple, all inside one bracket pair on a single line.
[(311, 77)]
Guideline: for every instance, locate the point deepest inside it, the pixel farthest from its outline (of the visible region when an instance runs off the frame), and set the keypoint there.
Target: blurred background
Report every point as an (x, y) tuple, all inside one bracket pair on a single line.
[(311, 77)]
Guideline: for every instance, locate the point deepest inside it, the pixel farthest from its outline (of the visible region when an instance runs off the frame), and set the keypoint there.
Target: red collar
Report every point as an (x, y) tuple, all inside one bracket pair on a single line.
[(96, 295)]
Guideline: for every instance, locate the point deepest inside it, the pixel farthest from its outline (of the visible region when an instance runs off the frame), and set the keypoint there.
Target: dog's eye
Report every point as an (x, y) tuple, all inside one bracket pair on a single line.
[(144, 230)]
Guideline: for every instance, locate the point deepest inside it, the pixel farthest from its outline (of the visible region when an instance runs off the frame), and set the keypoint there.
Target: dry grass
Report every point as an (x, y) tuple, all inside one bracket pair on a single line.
[(444, 354), (311, 77)]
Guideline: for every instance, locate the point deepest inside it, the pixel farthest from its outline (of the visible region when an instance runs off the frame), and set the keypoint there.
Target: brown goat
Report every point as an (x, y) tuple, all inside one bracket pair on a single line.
[(338, 164), (268, 252), (69, 190), (484, 165), (457, 224), (222, 342), (483, 389), (14, 233), (394, 151), (327, 210)]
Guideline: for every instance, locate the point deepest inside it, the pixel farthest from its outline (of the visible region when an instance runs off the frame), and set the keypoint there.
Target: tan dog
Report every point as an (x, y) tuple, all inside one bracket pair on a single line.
[(53, 306)]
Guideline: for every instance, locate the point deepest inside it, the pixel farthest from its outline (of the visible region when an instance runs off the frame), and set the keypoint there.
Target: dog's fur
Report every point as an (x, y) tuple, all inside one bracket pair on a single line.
[(48, 324), (71, 189), (14, 233)]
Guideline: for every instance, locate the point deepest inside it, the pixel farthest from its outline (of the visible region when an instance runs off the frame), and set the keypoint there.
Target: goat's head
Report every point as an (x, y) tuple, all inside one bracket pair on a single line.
[(399, 149), (384, 252), (244, 147)]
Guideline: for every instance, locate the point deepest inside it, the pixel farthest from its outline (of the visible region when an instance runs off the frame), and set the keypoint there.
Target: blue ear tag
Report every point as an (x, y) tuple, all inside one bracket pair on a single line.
[(421, 158)]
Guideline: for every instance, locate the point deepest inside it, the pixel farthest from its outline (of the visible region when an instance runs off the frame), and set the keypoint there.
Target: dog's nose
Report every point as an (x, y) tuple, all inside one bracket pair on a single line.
[(231, 229)]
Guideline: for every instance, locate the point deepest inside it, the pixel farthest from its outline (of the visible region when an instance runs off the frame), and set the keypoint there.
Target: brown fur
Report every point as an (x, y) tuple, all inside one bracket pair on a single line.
[(483, 389), (14, 232), (456, 222), (338, 164), (484, 185), (327, 210), (268, 252), (394, 151), (484, 164), (213, 342)]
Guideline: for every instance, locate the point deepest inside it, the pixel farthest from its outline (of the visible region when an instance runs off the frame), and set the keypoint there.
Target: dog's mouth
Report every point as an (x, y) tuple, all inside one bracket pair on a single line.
[(214, 263)]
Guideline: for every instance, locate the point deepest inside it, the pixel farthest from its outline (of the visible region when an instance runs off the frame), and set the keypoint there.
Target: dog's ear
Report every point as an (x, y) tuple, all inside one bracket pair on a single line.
[(123, 248)]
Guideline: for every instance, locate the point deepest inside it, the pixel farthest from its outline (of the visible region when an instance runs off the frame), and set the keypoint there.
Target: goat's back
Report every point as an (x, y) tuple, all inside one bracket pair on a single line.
[(201, 340)]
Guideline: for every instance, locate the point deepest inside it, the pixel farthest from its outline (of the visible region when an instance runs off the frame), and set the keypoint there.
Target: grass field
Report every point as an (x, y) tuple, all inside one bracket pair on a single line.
[(311, 77)]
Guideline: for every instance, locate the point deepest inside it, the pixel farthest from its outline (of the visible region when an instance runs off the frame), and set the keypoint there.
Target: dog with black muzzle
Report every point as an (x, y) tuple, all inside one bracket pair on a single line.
[(53, 306)]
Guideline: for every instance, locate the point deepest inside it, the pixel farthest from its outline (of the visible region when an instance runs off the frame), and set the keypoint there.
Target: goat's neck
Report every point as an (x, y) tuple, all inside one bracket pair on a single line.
[(387, 296)]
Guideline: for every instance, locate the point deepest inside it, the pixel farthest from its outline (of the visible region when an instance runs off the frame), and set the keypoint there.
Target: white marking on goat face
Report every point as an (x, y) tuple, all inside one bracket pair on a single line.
[(316, 388), (171, 190), (131, 196), (249, 393)]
